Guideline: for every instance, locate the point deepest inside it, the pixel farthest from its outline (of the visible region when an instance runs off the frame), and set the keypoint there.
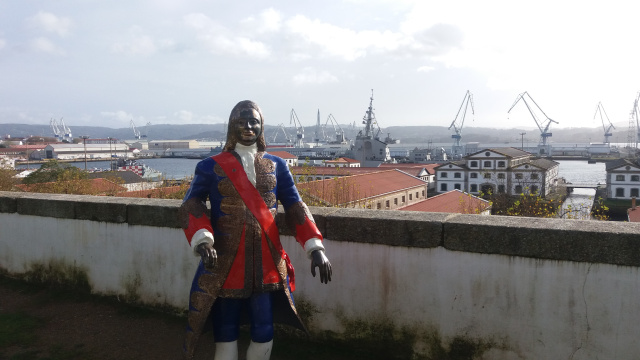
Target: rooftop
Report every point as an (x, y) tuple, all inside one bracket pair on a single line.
[(454, 201), (344, 160), (348, 189), (283, 154)]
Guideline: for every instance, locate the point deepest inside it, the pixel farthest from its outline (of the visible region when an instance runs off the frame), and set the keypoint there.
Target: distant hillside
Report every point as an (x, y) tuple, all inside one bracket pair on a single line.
[(158, 132), (406, 134)]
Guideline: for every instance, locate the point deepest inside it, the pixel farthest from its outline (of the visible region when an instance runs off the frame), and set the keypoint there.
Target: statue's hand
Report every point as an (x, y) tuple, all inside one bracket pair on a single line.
[(319, 259), (207, 253)]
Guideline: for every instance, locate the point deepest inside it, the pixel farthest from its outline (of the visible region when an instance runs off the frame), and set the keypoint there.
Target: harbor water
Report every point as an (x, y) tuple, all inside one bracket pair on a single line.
[(575, 171), (171, 168), (579, 203)]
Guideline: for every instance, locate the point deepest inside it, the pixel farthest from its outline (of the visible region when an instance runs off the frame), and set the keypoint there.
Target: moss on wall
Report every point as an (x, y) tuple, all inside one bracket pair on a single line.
[(59, 274), (386, 340), (131, 286)]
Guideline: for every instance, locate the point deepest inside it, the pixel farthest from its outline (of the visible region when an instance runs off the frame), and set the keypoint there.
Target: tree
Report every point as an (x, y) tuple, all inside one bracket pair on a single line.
[(529, 204), (54, 177), (52, 171), (7, 175)]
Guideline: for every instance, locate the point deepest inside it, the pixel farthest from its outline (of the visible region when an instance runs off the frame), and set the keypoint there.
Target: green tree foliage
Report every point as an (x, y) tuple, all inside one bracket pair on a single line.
[(53, 171), (533, 205), (7, 179)]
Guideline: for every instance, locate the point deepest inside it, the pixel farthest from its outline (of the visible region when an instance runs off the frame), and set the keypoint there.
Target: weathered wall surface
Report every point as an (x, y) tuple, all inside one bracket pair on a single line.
[(501, 288)]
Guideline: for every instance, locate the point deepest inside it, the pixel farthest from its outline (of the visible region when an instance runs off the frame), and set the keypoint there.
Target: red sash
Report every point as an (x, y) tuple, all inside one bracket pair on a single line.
[(254, 202)]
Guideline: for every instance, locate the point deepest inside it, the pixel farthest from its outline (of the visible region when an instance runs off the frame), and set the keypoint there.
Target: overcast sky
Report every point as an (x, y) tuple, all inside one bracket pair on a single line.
[(105, 63)]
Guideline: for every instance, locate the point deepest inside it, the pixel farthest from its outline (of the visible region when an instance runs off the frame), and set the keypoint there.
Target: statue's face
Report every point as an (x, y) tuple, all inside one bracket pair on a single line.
[(248, 127)]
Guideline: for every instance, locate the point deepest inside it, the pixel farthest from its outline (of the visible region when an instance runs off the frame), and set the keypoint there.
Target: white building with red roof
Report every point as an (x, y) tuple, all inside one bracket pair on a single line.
[(342, 162), (290, 159), (382, 190)]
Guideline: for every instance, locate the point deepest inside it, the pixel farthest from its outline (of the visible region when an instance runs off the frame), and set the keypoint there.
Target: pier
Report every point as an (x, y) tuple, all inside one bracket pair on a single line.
[(571, 187)]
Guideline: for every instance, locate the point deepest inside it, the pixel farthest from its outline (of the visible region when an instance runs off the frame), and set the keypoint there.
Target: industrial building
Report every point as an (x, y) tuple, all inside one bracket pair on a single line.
[(64, 151)]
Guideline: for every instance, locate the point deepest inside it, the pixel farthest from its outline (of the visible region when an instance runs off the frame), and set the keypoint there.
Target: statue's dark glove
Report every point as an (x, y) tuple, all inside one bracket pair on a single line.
[(207, 253), (319, 259)]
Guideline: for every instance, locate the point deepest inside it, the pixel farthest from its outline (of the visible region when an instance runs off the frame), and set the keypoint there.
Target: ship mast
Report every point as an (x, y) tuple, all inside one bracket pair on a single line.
[(369, 119)]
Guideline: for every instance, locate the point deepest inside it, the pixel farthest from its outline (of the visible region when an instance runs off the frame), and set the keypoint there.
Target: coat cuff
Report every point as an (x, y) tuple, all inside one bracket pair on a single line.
[(201, 236), (312, 245)]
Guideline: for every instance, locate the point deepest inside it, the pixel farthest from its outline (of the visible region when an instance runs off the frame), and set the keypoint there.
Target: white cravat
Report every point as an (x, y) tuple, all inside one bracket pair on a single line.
[(248, 155)]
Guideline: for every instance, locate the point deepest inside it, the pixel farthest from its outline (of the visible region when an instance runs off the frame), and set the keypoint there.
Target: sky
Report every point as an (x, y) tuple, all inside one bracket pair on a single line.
[(107, 63)]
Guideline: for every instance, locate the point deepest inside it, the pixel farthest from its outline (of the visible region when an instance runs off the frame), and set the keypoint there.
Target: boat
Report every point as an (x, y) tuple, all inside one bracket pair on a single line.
[(137, 167)]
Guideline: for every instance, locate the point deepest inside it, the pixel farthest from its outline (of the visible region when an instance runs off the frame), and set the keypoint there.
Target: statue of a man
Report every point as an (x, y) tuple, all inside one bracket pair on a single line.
[(243, 269)]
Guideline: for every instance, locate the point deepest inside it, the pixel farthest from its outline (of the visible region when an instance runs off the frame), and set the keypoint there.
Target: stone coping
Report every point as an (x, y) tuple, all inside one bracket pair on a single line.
[(605, 242)]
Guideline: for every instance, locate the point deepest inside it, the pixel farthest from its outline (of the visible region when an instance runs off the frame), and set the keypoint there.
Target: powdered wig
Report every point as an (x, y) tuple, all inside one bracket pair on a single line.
[(239, 112)]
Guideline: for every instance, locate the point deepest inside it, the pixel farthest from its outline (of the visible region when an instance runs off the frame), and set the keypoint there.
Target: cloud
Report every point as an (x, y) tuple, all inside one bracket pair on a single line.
[(311, 76), (351, 45), (426, 69), (139, 43), (189, 117), (184, 116), (45, 45), (219, 39), (438, 39), (119, 115), (269, 21), (332, 40), (3, 43), (50, 23)]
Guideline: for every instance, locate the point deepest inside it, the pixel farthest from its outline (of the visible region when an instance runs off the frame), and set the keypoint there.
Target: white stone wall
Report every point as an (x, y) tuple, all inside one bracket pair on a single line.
[(115, 256), (538, 309), (524, 308)]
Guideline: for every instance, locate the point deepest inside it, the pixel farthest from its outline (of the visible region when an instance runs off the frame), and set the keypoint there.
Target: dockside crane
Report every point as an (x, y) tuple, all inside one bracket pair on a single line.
[(299, 129), (543, 125), (136, 133), (635, 115), (458, 123), (67, 136), (286, 135), (607, 130), (147, 130), (337, 130), (56, 130)]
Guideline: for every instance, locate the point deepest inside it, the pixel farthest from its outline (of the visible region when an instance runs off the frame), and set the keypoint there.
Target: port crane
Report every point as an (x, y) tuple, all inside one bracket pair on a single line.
[(56, 130), (635, 115), (458, 123), (299, 129), (543, 125), (147, 130), (286, 135), (136, 133), (67, 136), (607, 130), (339, 133)]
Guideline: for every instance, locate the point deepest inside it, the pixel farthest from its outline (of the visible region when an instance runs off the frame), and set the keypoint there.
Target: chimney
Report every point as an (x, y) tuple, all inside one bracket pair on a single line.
[(633, 203)]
